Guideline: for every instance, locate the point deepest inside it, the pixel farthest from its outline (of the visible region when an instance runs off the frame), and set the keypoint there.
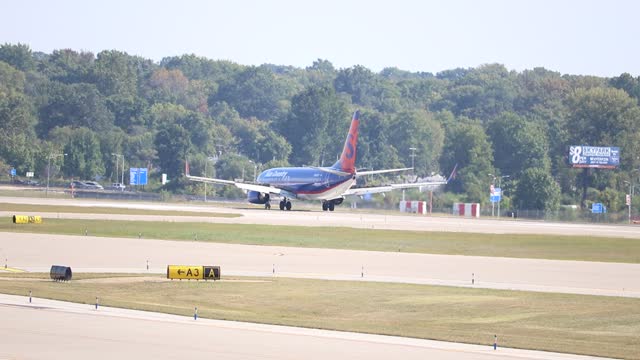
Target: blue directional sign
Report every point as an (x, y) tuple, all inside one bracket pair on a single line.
[(138, 176), (597, 208), (495, 195), (13, 172)]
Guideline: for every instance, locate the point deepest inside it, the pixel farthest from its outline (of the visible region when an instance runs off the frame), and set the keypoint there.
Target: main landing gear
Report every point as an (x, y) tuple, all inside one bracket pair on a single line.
[(328, 205), (285, 204)]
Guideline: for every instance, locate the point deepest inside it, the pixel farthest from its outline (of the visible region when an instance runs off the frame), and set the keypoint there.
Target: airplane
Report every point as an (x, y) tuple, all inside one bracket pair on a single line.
[(327, 184)]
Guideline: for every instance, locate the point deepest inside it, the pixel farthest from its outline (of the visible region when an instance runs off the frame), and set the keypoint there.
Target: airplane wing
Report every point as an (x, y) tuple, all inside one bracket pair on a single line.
[(371, 172), (243, 186), (390, 187)]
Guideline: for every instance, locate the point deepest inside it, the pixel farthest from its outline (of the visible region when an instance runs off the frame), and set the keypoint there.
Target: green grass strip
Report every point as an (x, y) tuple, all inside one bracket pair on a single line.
[(593, 325), (502, 245)]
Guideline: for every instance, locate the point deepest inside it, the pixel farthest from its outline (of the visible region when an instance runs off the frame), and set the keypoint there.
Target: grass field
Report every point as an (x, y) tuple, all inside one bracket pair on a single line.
[(36, 209), (502, 245), (595, 325)]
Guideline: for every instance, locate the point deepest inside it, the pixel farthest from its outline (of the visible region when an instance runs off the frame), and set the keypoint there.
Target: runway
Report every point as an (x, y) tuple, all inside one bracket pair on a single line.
[(33, 331), (341, 217), (37, 252), (48, 329)]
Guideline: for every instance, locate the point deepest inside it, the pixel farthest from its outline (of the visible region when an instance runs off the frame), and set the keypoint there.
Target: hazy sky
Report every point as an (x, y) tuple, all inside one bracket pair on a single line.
[(576, 37)]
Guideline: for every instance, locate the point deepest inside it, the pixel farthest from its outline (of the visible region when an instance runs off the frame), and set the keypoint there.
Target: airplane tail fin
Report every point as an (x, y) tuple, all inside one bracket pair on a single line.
[(347, 161)]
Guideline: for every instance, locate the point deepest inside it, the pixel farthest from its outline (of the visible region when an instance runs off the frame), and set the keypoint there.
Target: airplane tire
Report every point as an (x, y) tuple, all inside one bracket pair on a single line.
[(281, 205), (288, 205), (331, 206), (324, 206)]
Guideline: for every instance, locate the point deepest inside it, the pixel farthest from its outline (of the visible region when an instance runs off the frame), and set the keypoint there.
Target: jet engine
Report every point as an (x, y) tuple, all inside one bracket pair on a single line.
[(256, 197)]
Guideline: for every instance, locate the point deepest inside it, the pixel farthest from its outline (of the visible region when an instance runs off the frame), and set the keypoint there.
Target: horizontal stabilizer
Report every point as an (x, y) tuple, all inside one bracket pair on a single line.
[(371, 172)]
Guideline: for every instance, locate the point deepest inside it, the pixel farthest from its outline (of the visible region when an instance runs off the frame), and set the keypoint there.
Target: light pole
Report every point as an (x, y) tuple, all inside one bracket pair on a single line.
[(413, 158), (212, 159), (255, 169), (51, 156), (629, 198), (122, 176), (499, 187)]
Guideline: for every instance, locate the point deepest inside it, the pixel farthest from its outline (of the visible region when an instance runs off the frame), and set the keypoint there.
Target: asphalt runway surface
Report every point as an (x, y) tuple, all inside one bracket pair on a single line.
[(30, 332), (37, 252), (47, 329), (310, 216)]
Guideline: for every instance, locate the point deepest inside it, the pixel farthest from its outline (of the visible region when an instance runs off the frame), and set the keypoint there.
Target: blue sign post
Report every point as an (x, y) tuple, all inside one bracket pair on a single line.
[(597, 208), (138, 176), (12, 172)]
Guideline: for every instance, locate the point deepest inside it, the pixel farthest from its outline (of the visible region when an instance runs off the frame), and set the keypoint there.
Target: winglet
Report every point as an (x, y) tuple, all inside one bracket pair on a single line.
[(347, 162)]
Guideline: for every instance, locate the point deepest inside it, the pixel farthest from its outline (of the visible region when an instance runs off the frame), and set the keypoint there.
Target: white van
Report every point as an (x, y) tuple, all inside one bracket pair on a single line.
[(117, 186)]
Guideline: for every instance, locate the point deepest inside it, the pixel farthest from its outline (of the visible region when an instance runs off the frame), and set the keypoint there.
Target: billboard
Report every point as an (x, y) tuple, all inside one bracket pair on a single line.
[(137, 176), (582, 156)]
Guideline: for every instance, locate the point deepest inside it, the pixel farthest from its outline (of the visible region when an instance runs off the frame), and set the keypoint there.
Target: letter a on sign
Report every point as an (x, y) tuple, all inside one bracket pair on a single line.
[(189, 273)]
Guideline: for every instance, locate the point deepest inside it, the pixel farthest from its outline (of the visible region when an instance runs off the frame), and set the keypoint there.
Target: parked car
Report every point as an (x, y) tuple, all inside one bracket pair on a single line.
[(117, 186), (93, 185), (76, 184)]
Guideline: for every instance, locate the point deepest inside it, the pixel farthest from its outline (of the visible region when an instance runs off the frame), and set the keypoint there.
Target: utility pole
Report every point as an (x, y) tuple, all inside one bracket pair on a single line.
[(413, 158)]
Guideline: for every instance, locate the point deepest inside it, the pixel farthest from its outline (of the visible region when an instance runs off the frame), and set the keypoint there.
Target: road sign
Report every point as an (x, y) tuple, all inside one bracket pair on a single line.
[(495, 198), (12, 172), (29, 174), (185, 272), (628, 198), (212, 272), (597, 208), (138, 176)]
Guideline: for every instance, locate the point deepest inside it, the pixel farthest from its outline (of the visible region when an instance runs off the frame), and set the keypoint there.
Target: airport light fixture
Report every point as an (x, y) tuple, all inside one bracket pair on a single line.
[(413, 158), (122, 176), (629, 197), (51, 156), (213, 159)]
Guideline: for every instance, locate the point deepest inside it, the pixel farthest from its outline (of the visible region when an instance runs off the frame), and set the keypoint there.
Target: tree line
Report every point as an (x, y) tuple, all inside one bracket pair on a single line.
[(230, 120)]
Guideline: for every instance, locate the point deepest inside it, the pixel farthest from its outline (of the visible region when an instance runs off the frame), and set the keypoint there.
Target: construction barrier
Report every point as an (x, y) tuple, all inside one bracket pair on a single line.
[(467, 209), (25, 219), (189, 272), (416, 207), (60, 273)]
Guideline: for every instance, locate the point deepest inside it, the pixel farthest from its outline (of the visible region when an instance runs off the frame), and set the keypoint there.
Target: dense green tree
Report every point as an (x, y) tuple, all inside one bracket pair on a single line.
[(312, 126), (69, 66), (83, 159), (518, 144), (19, 56), (114, 72), (627, 83), (417, 129), (468, 146), (537, 190), (173, 145), (76, 105), (360, 83), (256, 92)]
